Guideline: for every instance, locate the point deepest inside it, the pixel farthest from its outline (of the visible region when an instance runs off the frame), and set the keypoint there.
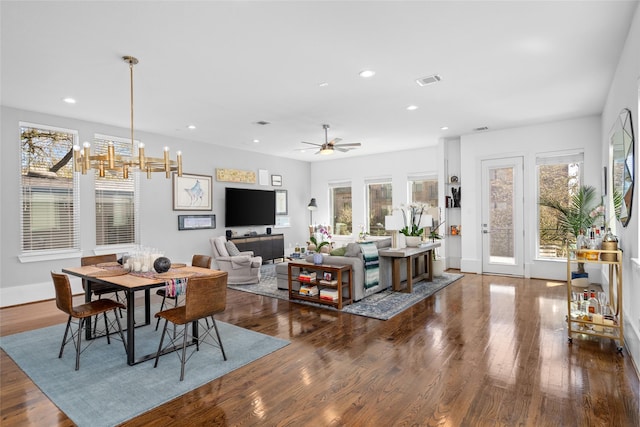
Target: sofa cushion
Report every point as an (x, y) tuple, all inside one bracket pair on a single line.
[(339, 251), (232, 249), (221, 247), (353, 250)]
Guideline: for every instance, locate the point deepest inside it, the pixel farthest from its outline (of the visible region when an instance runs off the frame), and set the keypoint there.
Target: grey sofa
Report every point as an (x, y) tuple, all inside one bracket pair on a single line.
[(354, 258)]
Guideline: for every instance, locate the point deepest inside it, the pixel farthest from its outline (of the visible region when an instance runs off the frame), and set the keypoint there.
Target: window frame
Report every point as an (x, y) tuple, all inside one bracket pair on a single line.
[(74, 250), (367, 193), (332, 186)]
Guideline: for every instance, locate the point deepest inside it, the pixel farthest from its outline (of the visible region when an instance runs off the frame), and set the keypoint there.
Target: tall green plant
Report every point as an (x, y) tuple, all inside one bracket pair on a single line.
[(582, 211)]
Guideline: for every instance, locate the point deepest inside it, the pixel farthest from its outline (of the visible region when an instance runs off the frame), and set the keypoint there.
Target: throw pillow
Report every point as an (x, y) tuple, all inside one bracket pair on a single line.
[(232, 249), (353, 250), (339, 251), (219, 242)]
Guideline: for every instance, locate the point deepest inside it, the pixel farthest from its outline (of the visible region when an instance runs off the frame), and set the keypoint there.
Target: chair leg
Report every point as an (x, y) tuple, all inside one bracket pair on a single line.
[(215, 325), (161, 307), (106, 327), (164, 330), (80, 323), (64, 338), (184, 351), (120, 330)]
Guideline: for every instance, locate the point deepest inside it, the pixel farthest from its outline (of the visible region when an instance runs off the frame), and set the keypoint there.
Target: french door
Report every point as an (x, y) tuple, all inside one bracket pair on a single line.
[(502, 223)]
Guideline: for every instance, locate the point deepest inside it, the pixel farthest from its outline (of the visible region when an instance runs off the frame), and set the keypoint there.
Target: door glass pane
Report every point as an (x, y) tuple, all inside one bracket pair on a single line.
[(501, 221)]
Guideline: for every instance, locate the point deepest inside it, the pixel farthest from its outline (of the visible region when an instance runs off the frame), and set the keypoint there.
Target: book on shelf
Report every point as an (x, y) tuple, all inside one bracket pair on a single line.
[(332, 282), (329, 294), (307, 277), (310, 290)]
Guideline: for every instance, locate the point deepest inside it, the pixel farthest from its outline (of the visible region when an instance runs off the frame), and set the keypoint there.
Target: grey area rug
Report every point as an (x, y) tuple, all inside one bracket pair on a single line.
[(106, 391), (382, 305)]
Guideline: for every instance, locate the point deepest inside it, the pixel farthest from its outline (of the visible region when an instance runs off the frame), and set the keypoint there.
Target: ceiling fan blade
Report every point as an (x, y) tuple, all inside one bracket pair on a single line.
[(311, 143), (334, 141), (352, 144)]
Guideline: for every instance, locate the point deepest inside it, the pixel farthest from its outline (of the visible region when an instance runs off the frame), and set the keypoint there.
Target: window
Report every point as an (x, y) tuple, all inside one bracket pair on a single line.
[(559, 178), (49, 195), (341, 208), (379, 205), (424, 190), (116, 198)]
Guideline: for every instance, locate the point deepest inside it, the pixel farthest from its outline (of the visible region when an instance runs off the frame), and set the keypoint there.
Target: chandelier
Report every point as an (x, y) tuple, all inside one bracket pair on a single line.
[(110, 161)]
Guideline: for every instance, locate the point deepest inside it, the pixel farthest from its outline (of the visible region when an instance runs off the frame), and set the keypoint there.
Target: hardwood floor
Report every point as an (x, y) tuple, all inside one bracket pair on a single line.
[(485, 351)]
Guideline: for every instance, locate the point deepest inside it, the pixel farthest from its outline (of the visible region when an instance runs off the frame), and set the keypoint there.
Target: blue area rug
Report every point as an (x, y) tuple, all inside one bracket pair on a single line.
[(106, 391), (382, 305)]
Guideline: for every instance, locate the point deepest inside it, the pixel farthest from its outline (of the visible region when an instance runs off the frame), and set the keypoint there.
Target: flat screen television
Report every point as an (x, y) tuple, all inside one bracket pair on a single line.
[(246, 207)]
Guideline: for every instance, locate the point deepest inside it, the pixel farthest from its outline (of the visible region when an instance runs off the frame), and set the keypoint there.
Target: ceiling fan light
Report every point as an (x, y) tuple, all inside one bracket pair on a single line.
[(326, 151)]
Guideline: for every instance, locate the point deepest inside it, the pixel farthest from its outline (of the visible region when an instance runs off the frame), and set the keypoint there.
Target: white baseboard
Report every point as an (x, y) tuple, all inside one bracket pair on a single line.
[(24, 294)]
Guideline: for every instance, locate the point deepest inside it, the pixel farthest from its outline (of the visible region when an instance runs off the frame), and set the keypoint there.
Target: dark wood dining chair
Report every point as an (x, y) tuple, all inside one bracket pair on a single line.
[(99, 289), (203, 261), (64, 302), (204, 297)]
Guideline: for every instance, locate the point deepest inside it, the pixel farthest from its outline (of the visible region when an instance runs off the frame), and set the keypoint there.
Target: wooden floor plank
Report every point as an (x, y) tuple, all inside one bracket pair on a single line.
[(485, 351)]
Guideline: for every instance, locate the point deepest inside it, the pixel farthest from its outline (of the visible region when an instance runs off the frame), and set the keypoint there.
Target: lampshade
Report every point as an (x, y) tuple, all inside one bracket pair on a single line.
[(426, 221), (312, 206), (392, 223)]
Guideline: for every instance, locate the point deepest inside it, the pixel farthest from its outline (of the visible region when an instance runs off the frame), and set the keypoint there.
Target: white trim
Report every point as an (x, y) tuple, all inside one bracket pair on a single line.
[(48, 256), (24, 294)]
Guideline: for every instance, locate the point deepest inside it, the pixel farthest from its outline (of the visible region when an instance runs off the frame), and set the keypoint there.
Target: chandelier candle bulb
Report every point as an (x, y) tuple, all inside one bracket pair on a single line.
[(167, 168), (87, 157), (77, 158), (141, 159), (179, 156), (111, 155)]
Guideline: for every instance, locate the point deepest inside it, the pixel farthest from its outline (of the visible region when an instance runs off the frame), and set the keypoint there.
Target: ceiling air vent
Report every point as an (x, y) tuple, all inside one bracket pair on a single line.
[(424, 81), (263, 123), (481, 129)]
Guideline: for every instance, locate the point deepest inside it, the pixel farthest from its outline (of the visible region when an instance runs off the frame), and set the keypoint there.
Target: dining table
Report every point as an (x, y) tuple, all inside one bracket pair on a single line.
[(115, 275)]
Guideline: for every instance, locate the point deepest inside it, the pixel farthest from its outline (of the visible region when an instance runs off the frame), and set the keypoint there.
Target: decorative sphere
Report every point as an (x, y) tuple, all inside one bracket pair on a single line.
[(162, 264)]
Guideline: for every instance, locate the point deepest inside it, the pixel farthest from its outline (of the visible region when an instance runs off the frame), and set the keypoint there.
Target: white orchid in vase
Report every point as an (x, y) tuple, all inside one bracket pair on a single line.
[(412, 224)]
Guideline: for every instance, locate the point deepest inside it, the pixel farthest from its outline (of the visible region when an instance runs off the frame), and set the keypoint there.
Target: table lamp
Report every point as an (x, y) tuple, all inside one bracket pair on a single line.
[(392, 223)]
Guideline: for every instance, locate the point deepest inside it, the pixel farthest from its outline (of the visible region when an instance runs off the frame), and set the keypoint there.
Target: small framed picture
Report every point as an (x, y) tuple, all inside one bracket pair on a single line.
[(326, 275), (276, 180)]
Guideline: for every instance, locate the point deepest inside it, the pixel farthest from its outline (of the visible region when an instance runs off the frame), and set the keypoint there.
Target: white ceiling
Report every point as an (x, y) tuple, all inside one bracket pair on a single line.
[(223, 66)]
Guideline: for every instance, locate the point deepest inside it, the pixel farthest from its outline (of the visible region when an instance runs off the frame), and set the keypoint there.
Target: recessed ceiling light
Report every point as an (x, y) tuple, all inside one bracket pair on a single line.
[(323, 84), (192, 127), (412, 107), (444, 128), (256, 141), (367, 73), (69, 100)]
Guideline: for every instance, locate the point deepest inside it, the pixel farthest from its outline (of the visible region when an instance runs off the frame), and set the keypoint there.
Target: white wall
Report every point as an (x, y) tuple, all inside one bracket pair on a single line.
[(527, 142), (396, 165), (624, 93), (24, 282)]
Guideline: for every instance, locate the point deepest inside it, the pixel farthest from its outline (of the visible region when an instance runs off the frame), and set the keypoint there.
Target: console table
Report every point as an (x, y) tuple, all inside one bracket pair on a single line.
[(337, 273), (268, 246), (412, 256)]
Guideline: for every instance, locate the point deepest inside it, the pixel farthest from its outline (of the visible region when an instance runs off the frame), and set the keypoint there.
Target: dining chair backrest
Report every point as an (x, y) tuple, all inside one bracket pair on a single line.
[(97, 259), (64, 299), (203, 261), (205, 296)]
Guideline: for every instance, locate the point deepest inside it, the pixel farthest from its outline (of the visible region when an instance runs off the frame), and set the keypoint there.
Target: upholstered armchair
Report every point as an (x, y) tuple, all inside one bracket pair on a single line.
[(243, 267)]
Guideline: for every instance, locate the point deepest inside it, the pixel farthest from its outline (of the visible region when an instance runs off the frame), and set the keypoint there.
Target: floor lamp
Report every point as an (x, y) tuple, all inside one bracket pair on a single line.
[(312, 206)]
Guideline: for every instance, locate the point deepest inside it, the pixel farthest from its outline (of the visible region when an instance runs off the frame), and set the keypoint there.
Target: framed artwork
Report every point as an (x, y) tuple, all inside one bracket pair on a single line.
[(276, 180), (192, 192), (196, 222), (235, 175), (281, 202)]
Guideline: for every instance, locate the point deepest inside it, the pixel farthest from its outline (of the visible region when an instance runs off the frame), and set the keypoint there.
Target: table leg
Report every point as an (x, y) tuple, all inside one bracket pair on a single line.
[(395, 274), (410, 261), (147, 306), (428, 262), (89, 321), (131, 317)]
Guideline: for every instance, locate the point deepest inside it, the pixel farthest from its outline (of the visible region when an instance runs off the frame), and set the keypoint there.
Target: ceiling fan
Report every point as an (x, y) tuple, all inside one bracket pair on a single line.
[(330, 146)]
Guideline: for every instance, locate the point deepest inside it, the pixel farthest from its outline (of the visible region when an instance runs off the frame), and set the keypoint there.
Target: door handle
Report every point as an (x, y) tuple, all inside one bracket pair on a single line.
[(485, 231)]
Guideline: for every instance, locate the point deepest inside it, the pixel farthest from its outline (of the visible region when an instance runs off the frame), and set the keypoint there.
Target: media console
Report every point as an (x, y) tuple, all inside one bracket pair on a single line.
[(268, 246)]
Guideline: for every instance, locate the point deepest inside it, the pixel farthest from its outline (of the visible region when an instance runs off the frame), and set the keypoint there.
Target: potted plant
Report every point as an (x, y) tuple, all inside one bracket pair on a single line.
[(412, 228), (322, 245), (582, 211)]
